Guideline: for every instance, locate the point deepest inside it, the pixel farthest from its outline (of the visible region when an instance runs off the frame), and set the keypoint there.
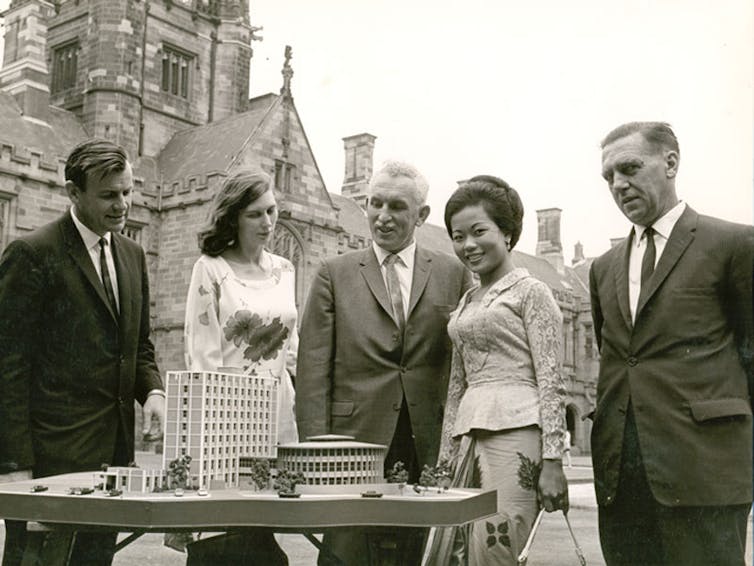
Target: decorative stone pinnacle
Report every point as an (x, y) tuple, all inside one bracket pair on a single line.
[(287, 72)]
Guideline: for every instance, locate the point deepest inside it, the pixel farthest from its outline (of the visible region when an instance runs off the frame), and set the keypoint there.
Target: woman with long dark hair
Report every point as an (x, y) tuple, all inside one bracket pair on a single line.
[(241, 317)]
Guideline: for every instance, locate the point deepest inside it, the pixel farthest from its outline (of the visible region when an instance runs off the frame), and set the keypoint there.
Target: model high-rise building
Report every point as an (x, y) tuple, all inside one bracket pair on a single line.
[(217, 419)]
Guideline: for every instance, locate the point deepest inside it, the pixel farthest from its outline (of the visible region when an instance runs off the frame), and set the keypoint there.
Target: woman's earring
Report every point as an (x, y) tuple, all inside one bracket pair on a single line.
[(508, 244)]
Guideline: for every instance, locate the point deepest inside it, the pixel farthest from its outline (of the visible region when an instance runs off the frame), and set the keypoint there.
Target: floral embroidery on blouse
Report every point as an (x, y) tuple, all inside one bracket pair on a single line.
[(505, 370), (245, 324), (235, 322), (264, 340)]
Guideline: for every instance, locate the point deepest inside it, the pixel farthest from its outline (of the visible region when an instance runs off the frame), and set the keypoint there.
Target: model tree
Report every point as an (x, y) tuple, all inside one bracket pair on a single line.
[(178, 473), (398, 473), (260, 473), (439, 476), (286, 482)]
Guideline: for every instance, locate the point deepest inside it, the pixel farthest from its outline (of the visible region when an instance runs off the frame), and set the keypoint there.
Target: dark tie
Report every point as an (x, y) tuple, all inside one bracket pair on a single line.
[(106, 275), (394, 290), (648, 262)]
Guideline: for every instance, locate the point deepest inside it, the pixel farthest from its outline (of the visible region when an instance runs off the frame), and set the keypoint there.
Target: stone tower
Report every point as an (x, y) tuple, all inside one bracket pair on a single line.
[(359, 150), (137, 72), (24, 71), (548, 237)]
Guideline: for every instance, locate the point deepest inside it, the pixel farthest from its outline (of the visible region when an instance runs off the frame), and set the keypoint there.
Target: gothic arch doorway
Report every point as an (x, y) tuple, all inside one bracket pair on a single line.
[(287, 242)]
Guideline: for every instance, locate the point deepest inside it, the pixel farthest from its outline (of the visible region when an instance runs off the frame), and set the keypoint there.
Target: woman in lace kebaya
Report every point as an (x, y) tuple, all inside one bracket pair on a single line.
[(241, 314), (505, 413)]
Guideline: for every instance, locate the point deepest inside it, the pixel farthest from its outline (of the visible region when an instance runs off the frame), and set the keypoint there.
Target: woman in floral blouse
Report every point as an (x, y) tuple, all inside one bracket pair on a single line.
[(241, 315), (505, 413)]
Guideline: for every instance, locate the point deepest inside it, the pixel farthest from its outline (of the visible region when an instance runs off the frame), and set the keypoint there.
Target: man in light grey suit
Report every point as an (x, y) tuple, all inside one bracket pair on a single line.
[(374, 353), (672, 308)]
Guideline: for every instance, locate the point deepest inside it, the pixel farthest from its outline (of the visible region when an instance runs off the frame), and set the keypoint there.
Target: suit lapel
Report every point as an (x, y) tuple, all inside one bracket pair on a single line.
[(81, 257), (370, 270), (682, 235), (422, 269), (620, 269)]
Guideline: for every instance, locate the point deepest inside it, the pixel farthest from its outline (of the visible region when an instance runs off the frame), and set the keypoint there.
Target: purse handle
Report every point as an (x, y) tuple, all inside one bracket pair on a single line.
[(524, 556)]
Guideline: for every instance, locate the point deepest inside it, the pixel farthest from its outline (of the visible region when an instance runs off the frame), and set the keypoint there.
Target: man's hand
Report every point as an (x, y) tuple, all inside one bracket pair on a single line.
[(553, 487), (154, 416), (16, 476)]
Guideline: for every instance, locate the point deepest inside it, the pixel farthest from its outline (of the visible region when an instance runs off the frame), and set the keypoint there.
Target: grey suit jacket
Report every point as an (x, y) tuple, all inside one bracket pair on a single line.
[(685, 364), (354, 368)]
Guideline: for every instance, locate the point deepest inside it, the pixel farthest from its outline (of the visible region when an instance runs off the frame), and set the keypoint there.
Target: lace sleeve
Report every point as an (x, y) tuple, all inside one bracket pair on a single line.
[(543, 321), (456, 388)]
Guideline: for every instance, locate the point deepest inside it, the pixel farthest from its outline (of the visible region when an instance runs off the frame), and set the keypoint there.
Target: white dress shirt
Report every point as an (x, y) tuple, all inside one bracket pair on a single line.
[(663, 226), (404, 269), (91, 242)]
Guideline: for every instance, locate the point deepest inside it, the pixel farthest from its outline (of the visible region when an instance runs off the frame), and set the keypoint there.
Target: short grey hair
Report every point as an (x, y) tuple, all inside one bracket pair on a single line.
[(403, 169), (658, 134)]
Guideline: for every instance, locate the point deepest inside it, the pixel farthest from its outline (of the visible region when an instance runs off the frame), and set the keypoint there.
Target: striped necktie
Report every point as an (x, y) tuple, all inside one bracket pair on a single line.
[(394, 290), (647, 262), (106, 276)]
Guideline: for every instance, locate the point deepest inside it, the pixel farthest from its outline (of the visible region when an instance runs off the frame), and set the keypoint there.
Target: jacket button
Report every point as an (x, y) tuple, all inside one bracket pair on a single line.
[(632, 361), (396, 337), (396, 406)]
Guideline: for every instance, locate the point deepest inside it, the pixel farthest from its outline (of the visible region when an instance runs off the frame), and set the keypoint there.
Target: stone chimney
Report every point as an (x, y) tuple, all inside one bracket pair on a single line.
[(548, 238), (24, 72), (578, 253), (359, 162)]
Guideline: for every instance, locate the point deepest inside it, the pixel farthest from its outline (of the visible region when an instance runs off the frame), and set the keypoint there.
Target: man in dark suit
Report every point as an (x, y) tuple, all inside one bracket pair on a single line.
[(672, 308), (74, 340), (374, 352)]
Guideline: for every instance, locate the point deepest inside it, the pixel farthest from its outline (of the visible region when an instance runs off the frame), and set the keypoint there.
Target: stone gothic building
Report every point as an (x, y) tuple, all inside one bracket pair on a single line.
[(169, 80)]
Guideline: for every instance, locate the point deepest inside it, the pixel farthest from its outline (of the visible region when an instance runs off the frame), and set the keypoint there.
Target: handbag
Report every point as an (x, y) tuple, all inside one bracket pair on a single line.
[(524, 556)]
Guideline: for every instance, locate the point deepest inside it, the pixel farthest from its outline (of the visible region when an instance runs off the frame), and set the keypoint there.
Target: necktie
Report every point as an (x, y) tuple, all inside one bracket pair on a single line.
[(106, 276), (647, 262), (394, 290)]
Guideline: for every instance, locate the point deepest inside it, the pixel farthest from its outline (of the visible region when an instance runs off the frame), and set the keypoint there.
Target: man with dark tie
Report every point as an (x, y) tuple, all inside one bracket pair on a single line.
[(374, 353), (672, 308), (75, 350)]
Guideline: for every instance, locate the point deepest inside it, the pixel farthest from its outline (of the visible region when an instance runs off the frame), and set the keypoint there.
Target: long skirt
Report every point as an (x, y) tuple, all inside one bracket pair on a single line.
[(509, 461)]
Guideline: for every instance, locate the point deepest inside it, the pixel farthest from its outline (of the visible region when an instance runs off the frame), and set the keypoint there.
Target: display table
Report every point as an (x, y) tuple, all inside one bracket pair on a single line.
[(318, 508)]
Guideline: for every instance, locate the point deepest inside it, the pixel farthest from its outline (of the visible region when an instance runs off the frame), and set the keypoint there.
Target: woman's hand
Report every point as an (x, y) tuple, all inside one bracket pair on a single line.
[(553, 487)]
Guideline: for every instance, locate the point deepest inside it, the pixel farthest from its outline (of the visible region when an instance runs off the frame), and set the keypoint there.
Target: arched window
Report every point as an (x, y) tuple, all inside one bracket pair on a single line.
[(287, 242)]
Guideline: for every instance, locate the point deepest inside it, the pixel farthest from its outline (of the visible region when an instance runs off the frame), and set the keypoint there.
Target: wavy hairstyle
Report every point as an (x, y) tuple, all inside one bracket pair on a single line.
[(394, 168), (94, 156), (237, 192), (498, 199)]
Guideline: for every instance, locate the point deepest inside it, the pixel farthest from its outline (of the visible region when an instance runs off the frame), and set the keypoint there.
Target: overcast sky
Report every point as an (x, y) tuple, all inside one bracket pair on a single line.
[(524, 91)]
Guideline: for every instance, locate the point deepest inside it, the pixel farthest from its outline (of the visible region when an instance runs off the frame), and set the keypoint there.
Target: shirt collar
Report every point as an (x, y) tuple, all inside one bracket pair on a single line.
[(406, 254), (90, 238), (663, 225), (505, 282)]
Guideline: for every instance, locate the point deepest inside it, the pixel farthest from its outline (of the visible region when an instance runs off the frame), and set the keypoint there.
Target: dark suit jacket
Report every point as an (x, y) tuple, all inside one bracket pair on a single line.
[(685, 364), (70, 368), (353, 367)]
